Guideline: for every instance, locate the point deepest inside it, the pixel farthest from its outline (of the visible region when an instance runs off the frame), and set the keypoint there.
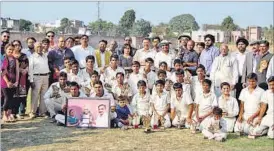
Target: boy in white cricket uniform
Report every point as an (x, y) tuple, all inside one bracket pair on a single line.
[(204, 104), (150, 75), (250, 98), (267, 122), (160, 103), (135, 76), (216, 127), (109, 76), (161, 75), (181, 107), (196, 82), (140, 103), (177, 66), (229, 105)]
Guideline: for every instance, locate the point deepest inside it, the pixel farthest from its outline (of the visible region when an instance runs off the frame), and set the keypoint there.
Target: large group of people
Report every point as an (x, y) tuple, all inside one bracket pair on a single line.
[(213, 90)]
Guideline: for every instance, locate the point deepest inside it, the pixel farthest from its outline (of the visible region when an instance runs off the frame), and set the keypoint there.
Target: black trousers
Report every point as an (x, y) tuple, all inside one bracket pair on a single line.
[(9, 101), (239, 87)]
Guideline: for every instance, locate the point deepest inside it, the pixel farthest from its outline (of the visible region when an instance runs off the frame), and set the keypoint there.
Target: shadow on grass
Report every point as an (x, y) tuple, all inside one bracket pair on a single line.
[(38, 132)]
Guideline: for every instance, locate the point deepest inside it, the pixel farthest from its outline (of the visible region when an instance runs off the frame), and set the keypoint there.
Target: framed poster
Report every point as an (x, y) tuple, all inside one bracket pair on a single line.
[(88, 113)]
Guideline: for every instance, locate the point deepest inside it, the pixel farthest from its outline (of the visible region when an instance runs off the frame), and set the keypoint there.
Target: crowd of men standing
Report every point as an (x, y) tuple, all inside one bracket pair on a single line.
[(73, 68)]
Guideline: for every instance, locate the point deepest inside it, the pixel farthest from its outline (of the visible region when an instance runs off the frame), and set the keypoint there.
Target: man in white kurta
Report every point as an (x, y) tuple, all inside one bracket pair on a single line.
[(224, 69), (250, 98), (267, 122)]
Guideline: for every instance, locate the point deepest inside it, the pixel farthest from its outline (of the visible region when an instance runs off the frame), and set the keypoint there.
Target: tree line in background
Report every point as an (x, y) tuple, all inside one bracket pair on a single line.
[(129, 26)]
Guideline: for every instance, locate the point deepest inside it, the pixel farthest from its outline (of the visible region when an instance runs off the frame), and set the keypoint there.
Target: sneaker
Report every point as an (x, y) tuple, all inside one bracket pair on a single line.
[(32, 116), (205, 137), (19, 117)]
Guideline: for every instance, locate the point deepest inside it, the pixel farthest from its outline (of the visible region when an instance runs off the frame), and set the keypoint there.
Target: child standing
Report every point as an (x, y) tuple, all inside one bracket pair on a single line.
[(122, 112), (160, 103), (229, 105), (216, 127)]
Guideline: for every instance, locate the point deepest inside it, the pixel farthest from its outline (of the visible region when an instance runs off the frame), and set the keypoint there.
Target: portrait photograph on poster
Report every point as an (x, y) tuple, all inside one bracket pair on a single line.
[(88, 113)]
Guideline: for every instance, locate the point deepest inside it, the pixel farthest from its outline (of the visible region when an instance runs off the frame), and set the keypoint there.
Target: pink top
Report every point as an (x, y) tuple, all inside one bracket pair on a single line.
[(10, 67)]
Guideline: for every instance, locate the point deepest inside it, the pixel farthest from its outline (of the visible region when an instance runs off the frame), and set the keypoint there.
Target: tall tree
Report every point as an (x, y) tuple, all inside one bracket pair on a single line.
[(64, 25), (24, 25), (141, 28), (228, 24), (183, 23), (101, 26), (268, 33), (127, 20)]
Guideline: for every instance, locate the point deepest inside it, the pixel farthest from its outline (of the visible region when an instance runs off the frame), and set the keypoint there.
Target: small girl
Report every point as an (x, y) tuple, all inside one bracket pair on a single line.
[(86, 119)]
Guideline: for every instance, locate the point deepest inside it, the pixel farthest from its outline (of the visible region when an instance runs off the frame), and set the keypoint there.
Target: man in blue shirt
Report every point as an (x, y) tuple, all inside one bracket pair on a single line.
[(209, 53)]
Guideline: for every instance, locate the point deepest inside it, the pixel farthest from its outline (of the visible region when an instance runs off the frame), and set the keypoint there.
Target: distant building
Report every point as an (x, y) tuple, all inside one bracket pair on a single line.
[(77, 23), (237, 34), (253, 33), (9, 24), (220, 36)]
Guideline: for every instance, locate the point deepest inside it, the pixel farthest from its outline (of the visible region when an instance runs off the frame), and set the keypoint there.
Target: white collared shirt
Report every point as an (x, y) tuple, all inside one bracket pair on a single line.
[(109, 75), (160, 57), (38, 65), (102, 121), (197, 87), (268, 98), (77, 78), (116, 90), (81, 53), (251, 100), (151, 77), (205, 102), (141, 105), (230, 106), (133, 80), (141, 55), (160, 102), (241, 59), (182, 104)]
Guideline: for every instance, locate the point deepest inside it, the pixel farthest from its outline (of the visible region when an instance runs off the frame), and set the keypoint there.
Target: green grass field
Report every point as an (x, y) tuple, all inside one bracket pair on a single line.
[(41, 135)]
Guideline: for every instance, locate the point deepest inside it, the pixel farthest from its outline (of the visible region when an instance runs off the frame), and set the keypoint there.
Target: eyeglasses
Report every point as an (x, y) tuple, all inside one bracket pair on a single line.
[(127, 40), (17, 45), (6, 36)]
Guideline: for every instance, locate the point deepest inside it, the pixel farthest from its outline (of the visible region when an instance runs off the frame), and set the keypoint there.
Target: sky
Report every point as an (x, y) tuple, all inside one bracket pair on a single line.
[(244, 13)]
